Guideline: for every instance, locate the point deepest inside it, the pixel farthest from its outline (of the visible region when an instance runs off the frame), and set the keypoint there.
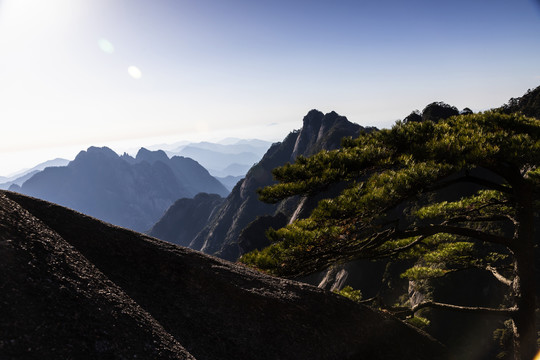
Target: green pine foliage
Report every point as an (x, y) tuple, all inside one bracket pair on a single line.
[(350, 293)]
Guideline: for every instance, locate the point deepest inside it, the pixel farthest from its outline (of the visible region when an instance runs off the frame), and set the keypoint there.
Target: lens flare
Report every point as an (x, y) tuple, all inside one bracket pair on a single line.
[(134, 72), (106, 46)]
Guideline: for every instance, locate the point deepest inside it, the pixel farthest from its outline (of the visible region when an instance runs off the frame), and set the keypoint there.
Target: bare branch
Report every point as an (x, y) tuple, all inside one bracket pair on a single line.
[(471, 309), (418, 240), (498, 276)]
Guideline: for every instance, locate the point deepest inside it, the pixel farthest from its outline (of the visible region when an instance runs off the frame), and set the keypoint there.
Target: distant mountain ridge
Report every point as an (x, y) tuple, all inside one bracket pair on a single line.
[(234, 158), (125, 191), (20, 177)]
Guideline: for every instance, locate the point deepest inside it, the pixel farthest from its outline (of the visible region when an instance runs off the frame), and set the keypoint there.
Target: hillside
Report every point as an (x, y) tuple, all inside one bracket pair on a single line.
[(79, 288)]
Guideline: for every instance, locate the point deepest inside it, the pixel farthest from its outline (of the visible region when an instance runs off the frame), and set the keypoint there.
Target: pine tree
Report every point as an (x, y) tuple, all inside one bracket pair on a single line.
[(394, 206)]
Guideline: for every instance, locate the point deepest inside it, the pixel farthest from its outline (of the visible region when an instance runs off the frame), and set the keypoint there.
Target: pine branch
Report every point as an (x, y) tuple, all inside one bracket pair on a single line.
[(471, 179), (470, 309), (467, 218), (456, 230), (498, 276)]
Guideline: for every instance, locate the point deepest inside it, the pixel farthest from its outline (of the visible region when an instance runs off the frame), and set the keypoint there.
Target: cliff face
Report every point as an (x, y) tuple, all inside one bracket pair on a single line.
[(221, 236), (75, 287), (125, 191), (185, 218)]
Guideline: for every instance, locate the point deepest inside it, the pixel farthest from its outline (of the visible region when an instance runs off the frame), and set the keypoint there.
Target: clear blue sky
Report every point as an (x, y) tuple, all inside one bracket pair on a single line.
[(128, 73)]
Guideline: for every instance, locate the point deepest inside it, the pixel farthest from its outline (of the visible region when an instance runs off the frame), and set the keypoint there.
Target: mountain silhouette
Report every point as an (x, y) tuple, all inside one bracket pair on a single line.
[(122, 190)]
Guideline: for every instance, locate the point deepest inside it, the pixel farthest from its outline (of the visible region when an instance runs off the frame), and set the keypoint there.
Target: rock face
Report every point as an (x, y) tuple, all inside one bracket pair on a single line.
[(242, 206), (185, 218), (125, 191), (75, 287)]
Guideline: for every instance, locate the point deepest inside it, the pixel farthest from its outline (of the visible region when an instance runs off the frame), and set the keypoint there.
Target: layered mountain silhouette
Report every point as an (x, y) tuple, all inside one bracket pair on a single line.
[(232, 158), (222, 233), (75, 287), (19, 178), (122, 190)]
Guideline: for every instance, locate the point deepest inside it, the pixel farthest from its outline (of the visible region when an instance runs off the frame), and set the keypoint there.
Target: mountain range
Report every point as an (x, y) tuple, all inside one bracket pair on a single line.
[(75, 287), (221, 234), (133, 192), (234, 158), (20, 177)]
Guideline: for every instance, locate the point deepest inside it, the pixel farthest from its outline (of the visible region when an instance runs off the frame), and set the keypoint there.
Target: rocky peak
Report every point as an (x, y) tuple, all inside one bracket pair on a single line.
[(319, 128), (151, 156), (95, 153)]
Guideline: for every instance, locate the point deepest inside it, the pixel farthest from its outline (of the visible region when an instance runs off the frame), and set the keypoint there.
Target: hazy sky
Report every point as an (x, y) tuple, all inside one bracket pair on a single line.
[(127, 73)]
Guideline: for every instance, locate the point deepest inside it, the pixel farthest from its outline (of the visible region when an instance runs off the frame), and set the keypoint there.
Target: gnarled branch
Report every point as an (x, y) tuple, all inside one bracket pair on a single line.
[(470, 309), (498, 276), (456, 230)]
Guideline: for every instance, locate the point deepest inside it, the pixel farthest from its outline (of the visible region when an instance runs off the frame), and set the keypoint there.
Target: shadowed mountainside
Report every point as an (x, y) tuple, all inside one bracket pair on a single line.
[(221, 236), (185, 218), (73, 286)]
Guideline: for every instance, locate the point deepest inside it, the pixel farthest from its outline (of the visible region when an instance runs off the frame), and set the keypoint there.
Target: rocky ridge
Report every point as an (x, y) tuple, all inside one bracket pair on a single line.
[(221, 236)]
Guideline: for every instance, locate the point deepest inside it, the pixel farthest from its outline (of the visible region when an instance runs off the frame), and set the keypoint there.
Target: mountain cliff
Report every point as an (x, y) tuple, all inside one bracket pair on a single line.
[(75, 287), (221, 236), (185, 218), (125, 191)]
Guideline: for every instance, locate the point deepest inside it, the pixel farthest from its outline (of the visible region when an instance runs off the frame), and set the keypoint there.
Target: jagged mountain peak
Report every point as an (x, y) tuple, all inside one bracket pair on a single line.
[(95, 152), (151, 156), (322, 131)]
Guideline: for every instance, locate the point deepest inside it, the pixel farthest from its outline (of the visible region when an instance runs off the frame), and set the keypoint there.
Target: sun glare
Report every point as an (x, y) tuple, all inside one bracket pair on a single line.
[(25, 17)]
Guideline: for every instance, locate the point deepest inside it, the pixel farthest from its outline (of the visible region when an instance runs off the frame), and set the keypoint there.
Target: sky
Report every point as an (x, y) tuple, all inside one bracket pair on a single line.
[(131, 73)]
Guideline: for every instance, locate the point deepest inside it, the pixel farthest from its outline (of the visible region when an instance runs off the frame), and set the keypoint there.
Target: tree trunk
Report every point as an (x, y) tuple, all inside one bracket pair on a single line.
[(525, 345)]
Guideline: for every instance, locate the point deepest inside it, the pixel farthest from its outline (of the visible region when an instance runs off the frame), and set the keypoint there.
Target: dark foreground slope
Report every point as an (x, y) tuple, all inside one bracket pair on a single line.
[(56, 305), (144, 295)]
